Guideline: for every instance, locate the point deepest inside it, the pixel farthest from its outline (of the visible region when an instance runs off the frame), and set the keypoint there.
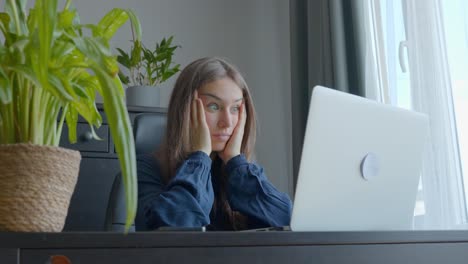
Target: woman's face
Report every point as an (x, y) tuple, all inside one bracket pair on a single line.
[(222, 100)]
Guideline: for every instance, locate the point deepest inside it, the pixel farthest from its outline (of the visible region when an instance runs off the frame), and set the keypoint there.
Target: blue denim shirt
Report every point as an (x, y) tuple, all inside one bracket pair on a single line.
[(187, 200)]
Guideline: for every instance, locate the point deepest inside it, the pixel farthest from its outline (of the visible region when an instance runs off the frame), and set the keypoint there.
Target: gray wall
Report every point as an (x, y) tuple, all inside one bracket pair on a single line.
[(253, 34)]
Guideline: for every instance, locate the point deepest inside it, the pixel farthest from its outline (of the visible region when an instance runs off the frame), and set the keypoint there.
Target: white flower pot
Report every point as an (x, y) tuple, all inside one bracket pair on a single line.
[(143, 96)]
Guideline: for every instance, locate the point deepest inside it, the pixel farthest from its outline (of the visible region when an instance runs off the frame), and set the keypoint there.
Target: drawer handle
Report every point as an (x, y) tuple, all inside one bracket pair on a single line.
[(87, 136), (59, 259)]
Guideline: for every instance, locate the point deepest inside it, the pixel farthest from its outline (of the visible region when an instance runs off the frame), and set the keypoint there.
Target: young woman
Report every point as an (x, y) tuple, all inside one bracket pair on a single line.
[(202, 175)]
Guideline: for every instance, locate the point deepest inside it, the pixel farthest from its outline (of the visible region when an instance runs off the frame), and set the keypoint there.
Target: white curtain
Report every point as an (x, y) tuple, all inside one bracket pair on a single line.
[(371, 49), (431, 89), (421, 26)]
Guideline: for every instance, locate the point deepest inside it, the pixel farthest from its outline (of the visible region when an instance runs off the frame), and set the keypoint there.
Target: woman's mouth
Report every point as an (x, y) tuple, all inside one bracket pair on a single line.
[(221, 137)]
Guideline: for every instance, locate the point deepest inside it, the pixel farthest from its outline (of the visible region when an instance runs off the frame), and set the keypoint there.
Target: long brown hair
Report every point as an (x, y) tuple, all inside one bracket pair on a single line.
[(176, 142)]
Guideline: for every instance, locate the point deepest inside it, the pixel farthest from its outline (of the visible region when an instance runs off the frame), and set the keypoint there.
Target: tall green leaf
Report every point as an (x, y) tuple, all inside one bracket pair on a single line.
[(15, 9), (121, 132), (46, 12), (5, 90), (113, 20)]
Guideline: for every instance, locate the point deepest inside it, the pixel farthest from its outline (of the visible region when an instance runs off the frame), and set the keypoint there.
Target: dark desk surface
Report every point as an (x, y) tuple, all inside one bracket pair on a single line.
[(238, 247)]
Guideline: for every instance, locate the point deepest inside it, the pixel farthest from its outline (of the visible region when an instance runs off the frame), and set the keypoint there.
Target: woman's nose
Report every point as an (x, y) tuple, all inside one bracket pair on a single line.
[(225, 120)]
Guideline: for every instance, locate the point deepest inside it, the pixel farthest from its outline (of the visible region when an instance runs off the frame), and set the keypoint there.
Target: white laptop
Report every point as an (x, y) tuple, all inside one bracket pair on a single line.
[(360, 165)]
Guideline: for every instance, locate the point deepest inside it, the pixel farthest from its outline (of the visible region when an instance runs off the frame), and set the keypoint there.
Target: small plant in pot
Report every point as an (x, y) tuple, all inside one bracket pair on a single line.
[(51, 67), (146, 70)]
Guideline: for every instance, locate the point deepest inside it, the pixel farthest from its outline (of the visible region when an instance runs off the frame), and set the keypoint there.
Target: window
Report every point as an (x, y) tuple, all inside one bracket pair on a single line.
[(456, 27), (425, 69)]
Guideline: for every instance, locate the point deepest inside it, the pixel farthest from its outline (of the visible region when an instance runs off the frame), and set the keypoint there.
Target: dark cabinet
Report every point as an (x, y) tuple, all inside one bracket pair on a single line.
[(98, 168), (8, 255), (324, 254), (384, 247)]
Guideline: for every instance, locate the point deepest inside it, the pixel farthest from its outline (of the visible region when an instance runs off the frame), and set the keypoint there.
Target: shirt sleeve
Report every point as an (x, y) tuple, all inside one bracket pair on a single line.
[(250, 193), (186, 201)]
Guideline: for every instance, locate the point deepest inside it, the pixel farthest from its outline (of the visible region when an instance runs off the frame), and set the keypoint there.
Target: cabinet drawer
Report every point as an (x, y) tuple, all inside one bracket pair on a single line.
[(84, 140), (9, 255), (194, 255)]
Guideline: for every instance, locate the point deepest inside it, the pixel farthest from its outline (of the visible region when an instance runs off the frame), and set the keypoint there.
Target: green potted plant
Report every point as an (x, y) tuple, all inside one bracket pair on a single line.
[(146, 70), (51, 67)]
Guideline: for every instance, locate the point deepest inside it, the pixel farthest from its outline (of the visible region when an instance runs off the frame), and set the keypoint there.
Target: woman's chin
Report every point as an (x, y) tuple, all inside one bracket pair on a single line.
[(218, 146)]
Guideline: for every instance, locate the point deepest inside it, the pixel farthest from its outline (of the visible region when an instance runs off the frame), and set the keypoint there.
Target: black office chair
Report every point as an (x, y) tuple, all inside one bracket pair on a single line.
[(148, 129)]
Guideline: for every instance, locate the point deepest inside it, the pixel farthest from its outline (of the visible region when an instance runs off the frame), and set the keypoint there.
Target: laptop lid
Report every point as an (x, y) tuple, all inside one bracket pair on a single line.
[(360, 165)]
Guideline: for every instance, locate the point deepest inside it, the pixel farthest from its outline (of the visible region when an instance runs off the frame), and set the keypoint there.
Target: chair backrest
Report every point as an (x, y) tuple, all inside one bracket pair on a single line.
[(148, 129)]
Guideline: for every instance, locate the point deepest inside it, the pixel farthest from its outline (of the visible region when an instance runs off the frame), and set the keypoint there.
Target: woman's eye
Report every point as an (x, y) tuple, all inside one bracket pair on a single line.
[(235, 109), (213, 107)]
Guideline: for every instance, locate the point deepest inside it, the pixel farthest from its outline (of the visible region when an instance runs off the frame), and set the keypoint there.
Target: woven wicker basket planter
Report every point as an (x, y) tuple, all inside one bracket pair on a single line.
[(36, 184)]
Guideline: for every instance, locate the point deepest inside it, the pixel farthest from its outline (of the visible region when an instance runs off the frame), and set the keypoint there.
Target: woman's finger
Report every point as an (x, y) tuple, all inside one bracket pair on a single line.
[(242, 117), (244, 114), (239, 130), (194, 113), (200, 111)]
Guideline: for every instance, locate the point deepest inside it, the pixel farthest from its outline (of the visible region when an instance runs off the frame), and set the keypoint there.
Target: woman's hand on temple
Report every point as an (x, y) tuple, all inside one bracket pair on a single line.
[(200, 133), (233, 146)]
